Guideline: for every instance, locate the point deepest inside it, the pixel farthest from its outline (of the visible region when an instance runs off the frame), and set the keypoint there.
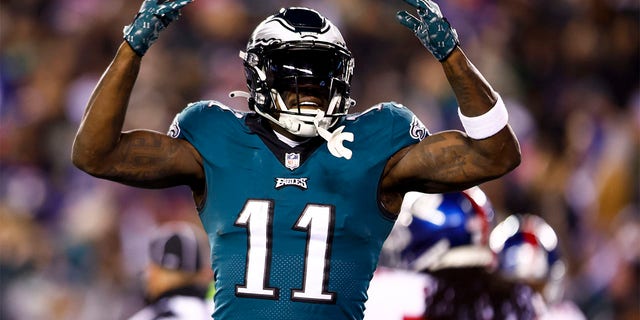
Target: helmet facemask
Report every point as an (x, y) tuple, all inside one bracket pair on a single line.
[(291, 82)]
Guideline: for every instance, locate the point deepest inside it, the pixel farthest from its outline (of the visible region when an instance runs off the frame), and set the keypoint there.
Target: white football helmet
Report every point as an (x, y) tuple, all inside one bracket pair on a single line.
[(298, 50)]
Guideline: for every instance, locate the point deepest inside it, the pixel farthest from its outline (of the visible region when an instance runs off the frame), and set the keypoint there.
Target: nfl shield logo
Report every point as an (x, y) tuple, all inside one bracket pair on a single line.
[(292, 160)]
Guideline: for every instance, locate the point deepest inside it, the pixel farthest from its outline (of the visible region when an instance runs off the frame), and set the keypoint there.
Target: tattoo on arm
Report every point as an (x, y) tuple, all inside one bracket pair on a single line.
[(450, 160), (145, 159), (473, 92)]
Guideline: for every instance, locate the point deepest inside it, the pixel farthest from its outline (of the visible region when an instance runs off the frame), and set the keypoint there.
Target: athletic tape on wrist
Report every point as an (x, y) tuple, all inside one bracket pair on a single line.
[(488, 124)]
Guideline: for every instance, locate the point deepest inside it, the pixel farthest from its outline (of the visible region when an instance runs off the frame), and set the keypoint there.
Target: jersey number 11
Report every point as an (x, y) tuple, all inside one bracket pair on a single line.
[(317, 221)]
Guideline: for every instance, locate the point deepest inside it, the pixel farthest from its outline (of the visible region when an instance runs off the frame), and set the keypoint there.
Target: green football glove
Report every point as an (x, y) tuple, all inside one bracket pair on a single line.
[(431, 28), (153, 17)]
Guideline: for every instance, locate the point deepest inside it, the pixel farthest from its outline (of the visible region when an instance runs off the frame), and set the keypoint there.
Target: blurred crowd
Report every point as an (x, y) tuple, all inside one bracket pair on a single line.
[(73, 246)]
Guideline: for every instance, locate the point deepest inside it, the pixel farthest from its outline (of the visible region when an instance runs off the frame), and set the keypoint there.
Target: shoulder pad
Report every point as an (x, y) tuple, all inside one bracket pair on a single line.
[(378, 107), (213, 104)]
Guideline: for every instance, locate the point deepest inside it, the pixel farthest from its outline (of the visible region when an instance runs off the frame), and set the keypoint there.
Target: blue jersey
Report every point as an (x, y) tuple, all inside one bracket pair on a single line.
[(295, 232)]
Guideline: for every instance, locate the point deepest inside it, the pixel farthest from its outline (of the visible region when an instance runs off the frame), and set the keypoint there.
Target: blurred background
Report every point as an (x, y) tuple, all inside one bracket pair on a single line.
[(73, 247)]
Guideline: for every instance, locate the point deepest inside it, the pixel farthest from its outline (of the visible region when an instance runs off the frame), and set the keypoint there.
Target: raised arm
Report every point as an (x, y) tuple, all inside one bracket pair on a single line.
[(452, 160), (140, 158)]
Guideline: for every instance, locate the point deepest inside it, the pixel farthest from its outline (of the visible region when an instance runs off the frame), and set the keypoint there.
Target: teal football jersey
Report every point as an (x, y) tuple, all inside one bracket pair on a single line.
[(295, 232)]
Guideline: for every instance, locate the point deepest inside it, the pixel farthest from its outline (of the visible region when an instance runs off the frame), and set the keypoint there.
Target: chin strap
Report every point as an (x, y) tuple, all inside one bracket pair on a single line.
[(334, 139)]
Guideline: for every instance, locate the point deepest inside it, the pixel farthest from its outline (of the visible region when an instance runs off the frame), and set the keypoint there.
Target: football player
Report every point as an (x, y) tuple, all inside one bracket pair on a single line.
[(445, 237), (528, 252), (274, 187)]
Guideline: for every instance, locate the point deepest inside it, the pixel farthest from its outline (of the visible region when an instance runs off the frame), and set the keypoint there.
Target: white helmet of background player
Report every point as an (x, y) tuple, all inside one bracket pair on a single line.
[(442, 231), (298, 50), (528, 251)]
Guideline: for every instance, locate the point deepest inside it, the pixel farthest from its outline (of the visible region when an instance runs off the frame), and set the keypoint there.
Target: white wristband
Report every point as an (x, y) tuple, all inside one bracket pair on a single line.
[(488, 124)]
